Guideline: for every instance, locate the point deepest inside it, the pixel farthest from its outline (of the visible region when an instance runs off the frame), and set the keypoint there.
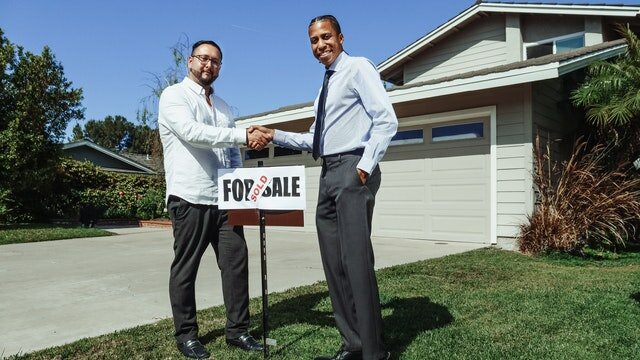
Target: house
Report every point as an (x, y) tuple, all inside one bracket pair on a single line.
[(87, 150), (470, 97)]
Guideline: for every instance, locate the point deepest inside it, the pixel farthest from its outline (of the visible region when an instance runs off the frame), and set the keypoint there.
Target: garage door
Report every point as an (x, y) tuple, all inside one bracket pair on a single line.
[(435, 183), (437, 188)]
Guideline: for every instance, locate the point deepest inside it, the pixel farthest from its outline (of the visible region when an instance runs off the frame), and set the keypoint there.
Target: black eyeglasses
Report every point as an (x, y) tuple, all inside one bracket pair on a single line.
[(204, 59)]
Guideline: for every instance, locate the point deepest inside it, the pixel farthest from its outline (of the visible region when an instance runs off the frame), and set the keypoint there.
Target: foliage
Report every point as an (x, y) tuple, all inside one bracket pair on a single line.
[(611, 92), (84, 186), (484, 304), (611, 96), (36, 104), (19, 234), (581, 202)]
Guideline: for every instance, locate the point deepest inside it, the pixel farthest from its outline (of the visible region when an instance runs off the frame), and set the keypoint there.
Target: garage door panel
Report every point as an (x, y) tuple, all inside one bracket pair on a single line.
[(413, 192), (394, 224), (457, 227), (456, 164), (459, 195)]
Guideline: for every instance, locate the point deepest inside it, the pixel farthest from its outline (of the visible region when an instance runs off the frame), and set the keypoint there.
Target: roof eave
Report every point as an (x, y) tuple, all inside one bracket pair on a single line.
[(387, 67)]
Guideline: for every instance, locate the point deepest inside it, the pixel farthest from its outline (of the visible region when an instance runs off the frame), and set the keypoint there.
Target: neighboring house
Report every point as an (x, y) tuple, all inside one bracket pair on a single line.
[(86, 149), (470, 97)]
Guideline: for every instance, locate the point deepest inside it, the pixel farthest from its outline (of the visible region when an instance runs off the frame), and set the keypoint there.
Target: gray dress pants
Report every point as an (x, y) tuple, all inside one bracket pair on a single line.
[(194, 228), (343, 221)]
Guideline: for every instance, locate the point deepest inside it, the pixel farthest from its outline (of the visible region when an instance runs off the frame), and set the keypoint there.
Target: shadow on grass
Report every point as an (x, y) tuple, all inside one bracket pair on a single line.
[(408, 318), (635, 296)]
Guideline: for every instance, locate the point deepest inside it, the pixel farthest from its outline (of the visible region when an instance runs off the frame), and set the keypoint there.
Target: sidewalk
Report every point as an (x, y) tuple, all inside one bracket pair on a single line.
[(56, 292)]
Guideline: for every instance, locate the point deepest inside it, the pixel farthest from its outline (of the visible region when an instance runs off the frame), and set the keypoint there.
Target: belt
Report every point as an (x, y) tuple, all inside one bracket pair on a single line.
[(358, 151)]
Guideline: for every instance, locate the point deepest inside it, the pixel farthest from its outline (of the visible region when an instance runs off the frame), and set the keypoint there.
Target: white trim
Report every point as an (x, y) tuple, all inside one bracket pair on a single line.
[(277, 118), (587, 10), (583, 61), (482, 82), (473, 113)]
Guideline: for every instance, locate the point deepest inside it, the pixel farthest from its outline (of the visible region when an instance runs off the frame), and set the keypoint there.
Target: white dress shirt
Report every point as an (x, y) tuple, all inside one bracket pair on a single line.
[(197, 140), (358, 114)]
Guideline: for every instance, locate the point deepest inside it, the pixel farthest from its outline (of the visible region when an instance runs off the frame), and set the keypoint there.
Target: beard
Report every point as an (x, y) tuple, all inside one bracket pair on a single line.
[(202, 80)]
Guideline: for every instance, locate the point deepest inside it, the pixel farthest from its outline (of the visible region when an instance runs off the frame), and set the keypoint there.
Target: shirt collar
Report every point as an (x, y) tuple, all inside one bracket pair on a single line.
[(335, 65), (195, 87)]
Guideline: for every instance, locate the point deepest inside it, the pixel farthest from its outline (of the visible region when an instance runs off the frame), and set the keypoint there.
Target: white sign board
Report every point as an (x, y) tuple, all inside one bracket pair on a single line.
[(267, 188)]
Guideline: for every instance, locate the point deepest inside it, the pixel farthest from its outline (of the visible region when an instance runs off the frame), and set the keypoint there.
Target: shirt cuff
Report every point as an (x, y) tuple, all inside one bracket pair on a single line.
[(240, 136), (367, 165), (279, 137)]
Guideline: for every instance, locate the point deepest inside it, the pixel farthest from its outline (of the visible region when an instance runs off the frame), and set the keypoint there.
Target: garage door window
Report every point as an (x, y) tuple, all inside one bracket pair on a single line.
[(407, 137), (457, 132)]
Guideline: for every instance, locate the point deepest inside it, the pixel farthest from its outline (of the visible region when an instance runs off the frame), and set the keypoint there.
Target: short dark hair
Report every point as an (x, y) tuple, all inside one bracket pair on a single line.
[(203, 42), (330, 18)]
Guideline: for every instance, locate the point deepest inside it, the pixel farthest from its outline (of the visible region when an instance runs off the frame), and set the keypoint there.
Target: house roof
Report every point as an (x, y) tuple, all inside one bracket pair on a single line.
[(536, 69), (90, 144), (390, 68)]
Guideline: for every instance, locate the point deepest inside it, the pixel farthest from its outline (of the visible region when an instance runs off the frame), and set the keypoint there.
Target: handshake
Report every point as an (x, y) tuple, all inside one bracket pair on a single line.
[(259, 136)]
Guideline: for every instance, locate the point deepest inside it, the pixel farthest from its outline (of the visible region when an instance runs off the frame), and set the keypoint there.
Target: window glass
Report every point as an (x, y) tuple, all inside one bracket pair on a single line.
[(407, 137), (256, 154), (539, 50), (282, 151), (569, 44), (457, 132)]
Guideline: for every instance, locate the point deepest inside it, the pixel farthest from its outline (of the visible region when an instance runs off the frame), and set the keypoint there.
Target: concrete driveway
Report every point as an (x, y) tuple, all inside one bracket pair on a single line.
[(56, 292)]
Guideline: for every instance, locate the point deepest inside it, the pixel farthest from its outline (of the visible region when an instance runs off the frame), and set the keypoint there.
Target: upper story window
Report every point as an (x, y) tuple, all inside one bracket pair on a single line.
[(556, 45)]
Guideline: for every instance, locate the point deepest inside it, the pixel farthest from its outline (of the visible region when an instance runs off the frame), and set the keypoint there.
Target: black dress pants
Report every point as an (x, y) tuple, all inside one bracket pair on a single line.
[(194, 228), (343, 221)]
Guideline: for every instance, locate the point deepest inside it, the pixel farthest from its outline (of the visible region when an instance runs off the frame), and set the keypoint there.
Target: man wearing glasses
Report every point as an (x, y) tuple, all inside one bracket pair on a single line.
[(199, 137)]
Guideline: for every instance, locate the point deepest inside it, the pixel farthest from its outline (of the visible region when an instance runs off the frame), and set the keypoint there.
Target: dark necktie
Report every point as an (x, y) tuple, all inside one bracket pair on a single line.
[(320, 116)]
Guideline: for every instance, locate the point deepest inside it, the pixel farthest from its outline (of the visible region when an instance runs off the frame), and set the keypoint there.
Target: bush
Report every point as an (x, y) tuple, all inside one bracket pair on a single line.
[(581, 202), (88, 192)]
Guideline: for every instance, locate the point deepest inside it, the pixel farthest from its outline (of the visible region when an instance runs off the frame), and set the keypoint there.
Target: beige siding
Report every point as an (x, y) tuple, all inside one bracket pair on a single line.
[(480, 45), (551, 119), (542, 27)]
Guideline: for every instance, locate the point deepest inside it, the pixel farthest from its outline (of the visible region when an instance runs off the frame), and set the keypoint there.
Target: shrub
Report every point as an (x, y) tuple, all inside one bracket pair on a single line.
[(581, 202)]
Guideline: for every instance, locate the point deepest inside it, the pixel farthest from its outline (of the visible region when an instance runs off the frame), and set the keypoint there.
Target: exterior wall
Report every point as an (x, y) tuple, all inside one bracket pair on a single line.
[(478, 46), (542, 27), (551, 122)]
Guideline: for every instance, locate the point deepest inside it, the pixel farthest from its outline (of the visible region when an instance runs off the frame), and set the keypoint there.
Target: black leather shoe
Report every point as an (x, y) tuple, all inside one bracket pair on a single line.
[(343, 355), (193, 349), (246, 342)]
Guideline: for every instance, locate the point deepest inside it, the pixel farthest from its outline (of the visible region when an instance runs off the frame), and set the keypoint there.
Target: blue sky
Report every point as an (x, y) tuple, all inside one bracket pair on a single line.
[(109, 48)]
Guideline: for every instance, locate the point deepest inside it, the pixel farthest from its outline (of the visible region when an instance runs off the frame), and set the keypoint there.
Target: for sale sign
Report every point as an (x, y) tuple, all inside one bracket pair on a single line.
[(268, 188)]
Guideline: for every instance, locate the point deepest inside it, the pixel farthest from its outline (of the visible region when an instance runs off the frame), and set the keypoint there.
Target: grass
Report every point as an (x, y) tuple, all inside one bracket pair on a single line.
[(17, 234), (484, 304)]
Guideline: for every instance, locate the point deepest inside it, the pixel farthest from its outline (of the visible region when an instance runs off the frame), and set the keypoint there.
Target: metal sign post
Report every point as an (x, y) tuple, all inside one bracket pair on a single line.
[(265, 291)]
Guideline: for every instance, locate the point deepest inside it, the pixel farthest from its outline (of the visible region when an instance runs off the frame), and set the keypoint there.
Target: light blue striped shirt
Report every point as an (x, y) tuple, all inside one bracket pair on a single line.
[(359, 114)]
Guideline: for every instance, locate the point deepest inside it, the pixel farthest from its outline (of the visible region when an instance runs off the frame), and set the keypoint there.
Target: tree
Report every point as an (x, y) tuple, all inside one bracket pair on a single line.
[(611, 91), (108, 132), (36, 104), (78, 134), (172, 75), (611, 96)]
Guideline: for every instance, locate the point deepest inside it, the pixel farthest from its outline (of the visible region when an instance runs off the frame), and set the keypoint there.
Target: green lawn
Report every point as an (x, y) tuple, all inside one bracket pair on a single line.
[(484, 304), (16, 234)]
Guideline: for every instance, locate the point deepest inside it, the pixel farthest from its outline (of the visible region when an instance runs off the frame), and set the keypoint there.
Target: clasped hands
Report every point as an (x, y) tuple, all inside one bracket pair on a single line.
[(259, 136)]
